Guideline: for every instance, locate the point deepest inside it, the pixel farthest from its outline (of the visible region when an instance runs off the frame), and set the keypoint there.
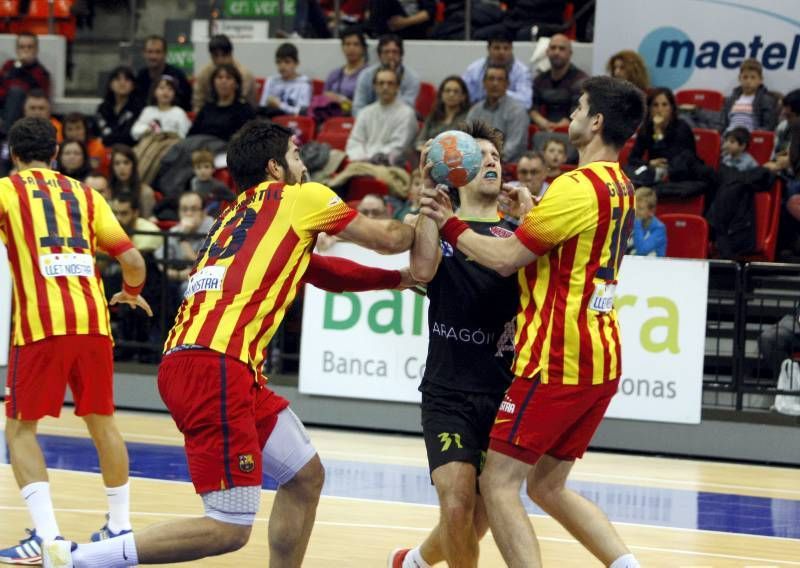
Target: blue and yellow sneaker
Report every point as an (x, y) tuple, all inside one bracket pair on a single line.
[(106, 533), (27, 553)]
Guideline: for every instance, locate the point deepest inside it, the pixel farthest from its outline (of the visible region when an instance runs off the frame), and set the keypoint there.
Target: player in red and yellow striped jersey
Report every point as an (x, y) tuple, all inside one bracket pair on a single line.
[(246, 276), (52, 226), (567, 253)]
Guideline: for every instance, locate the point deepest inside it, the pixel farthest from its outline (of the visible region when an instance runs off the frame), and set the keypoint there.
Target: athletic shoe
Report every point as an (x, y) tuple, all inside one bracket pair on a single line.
[(58, 553), (106, 533), (28, 552), (396, 557)]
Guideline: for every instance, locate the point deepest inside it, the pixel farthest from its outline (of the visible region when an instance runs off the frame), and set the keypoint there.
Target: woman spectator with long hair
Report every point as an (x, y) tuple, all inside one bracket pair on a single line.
[(73, 159), (125, 179), (629, 65), (120, 108), (450, 108), (227, 111)]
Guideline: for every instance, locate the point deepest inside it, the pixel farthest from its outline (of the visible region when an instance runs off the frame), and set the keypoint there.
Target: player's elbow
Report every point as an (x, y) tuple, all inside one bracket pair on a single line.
[(422, 272), (132, 260), (397, 239)]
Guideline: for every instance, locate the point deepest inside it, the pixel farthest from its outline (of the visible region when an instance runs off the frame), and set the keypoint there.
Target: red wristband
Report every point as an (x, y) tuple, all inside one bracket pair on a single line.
[(132, 290), (452, 229)]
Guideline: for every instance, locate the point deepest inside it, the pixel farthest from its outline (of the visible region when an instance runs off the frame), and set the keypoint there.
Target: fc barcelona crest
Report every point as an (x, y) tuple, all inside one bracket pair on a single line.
[(246, 463)]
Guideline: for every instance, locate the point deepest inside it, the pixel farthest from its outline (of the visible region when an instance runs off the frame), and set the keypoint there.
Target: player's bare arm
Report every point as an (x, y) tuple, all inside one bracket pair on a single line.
[(134, 273), (386, 236)]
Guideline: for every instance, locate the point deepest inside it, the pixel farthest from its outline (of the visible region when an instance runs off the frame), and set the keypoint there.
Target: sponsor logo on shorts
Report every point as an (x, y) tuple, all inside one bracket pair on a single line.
[(507, 406), (246, 463)]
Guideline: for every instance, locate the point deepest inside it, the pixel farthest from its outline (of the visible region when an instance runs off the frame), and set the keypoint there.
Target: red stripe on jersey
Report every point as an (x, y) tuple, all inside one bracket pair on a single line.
[(565, 265), (631, 204), (70, 322), (530, 310), (604, 342), (234, 275), (86, 288), (547, 311), (19, 289), (586, 356), (30, 240), (284, 250)]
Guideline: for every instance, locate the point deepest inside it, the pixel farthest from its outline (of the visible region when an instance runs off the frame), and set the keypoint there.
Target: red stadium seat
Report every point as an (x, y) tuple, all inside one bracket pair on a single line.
[(260, 84), (361, 186), (304, 125), (9, 9), (687, 236), (762, 142), (224, 175), (569, 13), (334, 138), (338, 124), (166, 225), (708, 144), (425, 99), (682, 206), (532, 130), (40, 10), (567, 167), (703, 98), (317, 86), (625, 152), (768, 211)]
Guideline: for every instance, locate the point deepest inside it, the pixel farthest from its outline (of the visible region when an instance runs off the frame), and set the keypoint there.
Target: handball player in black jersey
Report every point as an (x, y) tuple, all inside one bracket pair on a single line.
[(468, 368)]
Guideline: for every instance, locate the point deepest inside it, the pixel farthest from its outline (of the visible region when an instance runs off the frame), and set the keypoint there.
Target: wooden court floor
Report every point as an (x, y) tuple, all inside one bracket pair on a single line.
[(352, 531)]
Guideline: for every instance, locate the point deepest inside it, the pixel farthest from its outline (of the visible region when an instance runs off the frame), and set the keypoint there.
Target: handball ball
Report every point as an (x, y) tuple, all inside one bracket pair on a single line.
[(456, 158)]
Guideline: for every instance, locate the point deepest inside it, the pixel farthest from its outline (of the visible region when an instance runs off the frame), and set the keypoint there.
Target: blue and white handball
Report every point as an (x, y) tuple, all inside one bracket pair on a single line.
[(456, 158)]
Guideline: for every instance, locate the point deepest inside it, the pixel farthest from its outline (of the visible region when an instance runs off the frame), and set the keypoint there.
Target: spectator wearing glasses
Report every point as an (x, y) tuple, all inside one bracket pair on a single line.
[(185, 239), (532, 172), (390, 54)]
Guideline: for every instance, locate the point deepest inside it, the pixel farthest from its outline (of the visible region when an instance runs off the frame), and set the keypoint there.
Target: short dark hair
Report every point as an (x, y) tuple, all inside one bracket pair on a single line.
[(496, 66), (740, 134), (27, 34), (620, 102), (155, 37), (499, 36), (32, 140), (287, 51), (220, 43), (390, 38), (479, 129), (251, 149), (36, 94), (357, 32), (532, 155), (231, 70), (792, 100), (385, 69), (127, 197)]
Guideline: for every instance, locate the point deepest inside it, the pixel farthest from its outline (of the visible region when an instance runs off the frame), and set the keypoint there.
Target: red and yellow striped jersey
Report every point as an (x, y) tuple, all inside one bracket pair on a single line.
[(250, 266), (52, 226), (566, 324)]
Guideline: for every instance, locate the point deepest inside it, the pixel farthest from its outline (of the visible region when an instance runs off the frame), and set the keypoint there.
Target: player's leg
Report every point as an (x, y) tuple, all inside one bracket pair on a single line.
[(455, 484), (290, 458)]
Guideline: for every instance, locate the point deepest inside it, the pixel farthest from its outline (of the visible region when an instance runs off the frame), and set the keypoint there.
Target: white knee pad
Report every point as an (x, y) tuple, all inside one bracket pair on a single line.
[(288, 448), (237, 505)]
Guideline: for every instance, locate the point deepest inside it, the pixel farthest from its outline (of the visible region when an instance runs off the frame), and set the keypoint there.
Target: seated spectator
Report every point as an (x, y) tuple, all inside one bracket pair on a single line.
[(734, 150), (410, 19), (288, 92), (390, 54), (522, 15), (126, 209), (384, 130), (211, 190), (73, 160), (790, 119), (227, 111), (98, 182), (373, 206), (750, 105), (555, 155), (649, 236), (556, 92), (532, 172), (629, 65), (340, 86), (662, 138), (156, 66), (161, 114), (76, 127), (780, 340), (500, 52), (18, 77), (120, 108), (451, 107), (502, 112), (221, 50), (125, 179), (412, 203), (37, 105)]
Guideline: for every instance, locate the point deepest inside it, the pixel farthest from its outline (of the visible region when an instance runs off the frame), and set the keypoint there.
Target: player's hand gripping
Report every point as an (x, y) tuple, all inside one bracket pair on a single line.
[(516, 200), (123, 297)]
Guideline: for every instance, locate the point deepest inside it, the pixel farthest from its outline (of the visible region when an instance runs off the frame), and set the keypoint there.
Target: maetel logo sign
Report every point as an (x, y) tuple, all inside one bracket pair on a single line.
[(672, 56)]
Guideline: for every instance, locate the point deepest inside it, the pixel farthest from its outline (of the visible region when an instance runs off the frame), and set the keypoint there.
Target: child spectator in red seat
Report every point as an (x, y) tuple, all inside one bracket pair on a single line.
[(555, 154), (649, 237), (213, 192), (288, 92), (750, 105), (734, 150)]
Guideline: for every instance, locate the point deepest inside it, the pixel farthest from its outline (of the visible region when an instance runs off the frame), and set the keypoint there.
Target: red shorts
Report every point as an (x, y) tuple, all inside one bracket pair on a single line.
[(224, 415), (536, 419), (38, 374)]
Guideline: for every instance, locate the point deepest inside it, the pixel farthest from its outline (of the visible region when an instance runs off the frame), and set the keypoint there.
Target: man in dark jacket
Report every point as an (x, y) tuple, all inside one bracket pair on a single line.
[(155, 55), (19, 76)]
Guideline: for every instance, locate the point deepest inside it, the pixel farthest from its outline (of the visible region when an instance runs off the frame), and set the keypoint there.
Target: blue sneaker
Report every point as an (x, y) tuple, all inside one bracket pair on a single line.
[(106, 533), (28, 552)]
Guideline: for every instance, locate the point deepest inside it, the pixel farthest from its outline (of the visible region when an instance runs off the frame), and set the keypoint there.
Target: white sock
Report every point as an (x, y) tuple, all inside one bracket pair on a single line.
[(625, 561), (119, 552), (414, 559), (119, 510), (37, 497)]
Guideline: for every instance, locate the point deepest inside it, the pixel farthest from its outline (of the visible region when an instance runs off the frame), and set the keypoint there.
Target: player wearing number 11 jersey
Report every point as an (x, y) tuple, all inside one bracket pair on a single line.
[(52, 225)]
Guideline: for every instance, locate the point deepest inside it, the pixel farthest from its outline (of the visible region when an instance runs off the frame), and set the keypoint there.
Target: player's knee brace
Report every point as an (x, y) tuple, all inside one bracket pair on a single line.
[(237, 506)]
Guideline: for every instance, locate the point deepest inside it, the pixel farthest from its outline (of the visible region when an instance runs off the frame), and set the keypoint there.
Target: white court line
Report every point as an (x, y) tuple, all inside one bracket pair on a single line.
[(374, 526)]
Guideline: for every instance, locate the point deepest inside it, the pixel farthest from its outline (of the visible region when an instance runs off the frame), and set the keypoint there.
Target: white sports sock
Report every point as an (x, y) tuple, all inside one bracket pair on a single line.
[(119, 552), (119, 515), (37, 497), (414, 559), (625, 561)]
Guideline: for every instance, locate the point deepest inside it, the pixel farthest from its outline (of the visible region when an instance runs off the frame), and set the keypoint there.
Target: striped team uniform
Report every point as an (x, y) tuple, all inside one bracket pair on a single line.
[(246, 276), (567, 341), (52, 226)]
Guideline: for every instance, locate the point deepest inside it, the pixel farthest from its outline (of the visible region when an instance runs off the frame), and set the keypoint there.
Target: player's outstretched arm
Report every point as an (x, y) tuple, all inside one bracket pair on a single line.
[(134, 273), (335, 274), (386, 236)]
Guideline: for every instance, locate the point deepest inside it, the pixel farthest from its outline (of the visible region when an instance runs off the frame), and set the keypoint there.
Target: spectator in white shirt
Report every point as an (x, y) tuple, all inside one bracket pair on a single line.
[(162, 114), (288, 92)]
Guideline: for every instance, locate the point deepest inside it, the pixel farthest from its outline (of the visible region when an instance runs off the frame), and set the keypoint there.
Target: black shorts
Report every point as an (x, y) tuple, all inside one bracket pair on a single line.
[(456, 425)]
